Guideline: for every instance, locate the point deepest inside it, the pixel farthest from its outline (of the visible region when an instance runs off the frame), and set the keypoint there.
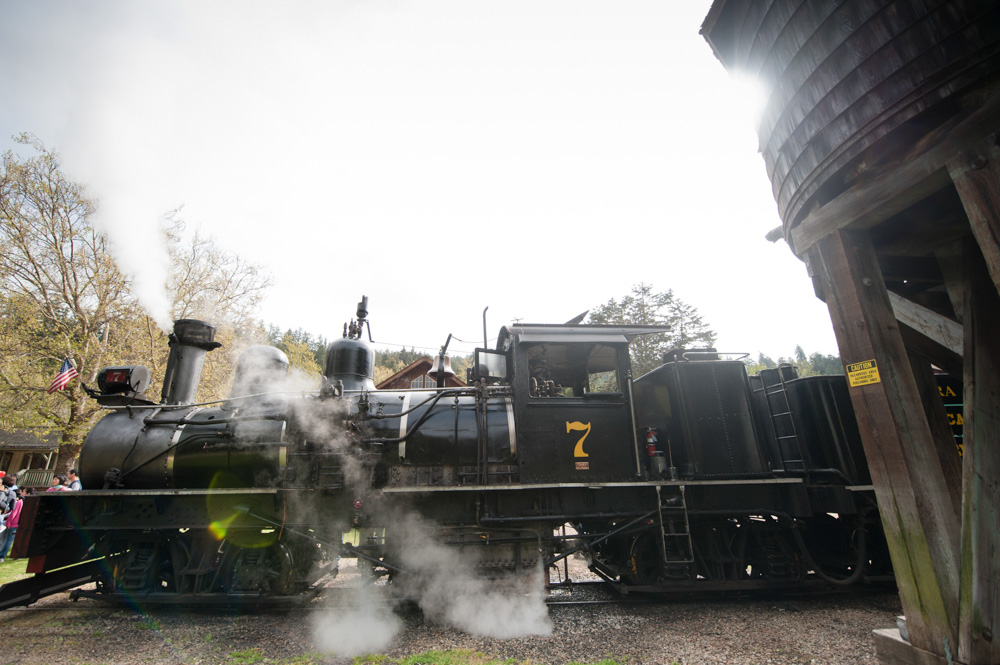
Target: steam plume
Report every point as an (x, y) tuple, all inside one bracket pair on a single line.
[(450, 590), (369, 626)]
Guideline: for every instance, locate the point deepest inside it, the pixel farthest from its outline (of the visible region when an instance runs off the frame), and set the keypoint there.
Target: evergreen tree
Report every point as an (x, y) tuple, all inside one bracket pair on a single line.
[(814, 364), (643, 306)]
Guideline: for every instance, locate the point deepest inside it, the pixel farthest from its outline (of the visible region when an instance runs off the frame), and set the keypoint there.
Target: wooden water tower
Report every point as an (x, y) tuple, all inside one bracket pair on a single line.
[(882, 141)]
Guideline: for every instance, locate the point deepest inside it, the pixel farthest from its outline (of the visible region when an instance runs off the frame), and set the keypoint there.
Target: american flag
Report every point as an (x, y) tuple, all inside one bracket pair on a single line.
[(66, 373)]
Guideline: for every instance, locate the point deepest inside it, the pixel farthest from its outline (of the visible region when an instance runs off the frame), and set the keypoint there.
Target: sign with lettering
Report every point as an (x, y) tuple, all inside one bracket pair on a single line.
[(863, 373)]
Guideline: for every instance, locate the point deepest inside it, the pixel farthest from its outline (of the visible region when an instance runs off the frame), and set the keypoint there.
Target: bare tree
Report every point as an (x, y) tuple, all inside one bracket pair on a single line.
[(62, 296), (208, 282)]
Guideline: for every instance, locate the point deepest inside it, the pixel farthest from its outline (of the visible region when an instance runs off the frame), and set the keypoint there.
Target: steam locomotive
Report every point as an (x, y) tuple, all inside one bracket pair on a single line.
[(694, 476)]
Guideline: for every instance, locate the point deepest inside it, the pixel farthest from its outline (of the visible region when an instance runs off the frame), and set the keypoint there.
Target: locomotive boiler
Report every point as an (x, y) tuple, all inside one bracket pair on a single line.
[(694, 476)]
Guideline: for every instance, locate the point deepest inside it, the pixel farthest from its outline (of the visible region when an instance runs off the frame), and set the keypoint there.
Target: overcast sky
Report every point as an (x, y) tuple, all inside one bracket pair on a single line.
[(535, 157)]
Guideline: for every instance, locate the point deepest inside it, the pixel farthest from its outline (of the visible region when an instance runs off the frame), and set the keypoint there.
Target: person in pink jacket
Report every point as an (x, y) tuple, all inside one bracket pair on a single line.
[(13, 517)]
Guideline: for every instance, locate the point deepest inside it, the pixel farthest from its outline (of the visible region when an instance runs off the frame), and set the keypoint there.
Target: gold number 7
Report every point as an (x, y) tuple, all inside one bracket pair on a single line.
[(577, 426)]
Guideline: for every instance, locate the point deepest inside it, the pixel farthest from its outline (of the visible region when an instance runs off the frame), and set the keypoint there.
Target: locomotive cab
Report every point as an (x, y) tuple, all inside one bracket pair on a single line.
[(572, 402)]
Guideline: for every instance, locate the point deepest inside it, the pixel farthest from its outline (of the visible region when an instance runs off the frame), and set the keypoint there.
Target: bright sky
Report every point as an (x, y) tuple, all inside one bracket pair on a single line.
[(536, 157)]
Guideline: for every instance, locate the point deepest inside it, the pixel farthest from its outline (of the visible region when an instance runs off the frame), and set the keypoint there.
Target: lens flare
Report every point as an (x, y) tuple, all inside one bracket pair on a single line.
[(749, 95)]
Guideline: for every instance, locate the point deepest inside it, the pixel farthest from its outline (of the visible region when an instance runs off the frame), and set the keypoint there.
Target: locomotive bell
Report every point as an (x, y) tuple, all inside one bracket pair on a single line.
[(436, 367)]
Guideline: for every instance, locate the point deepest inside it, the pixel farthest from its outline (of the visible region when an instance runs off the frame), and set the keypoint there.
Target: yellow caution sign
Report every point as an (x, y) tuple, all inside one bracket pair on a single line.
[(862, 374)]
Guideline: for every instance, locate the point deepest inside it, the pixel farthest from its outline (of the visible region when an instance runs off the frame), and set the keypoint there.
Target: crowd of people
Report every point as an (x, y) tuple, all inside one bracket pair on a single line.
[(12, 498)]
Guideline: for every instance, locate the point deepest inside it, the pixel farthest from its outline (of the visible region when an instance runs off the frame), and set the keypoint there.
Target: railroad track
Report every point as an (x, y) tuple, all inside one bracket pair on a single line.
[(339, 598)]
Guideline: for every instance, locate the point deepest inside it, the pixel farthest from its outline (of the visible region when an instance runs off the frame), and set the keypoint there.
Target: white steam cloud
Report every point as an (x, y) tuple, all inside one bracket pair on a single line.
[(139, 244), (449, 589), (369, 626), (444, 580)]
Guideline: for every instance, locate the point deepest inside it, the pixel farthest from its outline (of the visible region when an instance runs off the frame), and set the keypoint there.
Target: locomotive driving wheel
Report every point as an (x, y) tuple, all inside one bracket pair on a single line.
[(262, 570), (645, 560)]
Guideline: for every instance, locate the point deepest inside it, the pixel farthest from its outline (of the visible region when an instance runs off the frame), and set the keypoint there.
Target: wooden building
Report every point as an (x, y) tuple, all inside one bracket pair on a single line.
[(881, 138), (22, 450), (418, 375)]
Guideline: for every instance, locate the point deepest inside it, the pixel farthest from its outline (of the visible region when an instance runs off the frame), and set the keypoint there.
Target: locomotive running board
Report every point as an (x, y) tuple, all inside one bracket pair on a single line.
[(596, 485), (27, 591), (219, 600)]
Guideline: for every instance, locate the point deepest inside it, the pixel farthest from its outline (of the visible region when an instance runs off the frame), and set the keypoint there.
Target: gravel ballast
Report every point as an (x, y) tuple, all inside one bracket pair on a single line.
[(831, 629)]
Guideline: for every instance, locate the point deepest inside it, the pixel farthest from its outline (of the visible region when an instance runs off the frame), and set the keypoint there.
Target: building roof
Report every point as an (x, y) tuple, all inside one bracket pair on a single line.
[(28, 440), (418, 367)]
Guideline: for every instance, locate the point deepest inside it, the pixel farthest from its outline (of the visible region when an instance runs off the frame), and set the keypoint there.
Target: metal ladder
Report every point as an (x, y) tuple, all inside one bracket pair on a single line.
[(675, 536), (780, 413)]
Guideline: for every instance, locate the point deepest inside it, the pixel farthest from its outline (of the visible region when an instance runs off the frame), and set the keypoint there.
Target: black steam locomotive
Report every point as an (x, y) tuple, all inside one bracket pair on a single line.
[(694, 476)]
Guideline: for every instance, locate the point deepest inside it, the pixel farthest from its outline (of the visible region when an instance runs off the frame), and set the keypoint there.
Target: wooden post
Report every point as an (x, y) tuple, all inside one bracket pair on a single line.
[(920, 523), (979, 602), (976, 175), (942, 437)]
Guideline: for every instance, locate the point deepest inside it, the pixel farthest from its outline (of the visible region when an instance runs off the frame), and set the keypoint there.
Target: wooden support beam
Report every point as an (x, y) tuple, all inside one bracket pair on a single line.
[(864, 206), (920, 523), (941, 433), (900, 184), (949, 260), (979, 604), (944, 359), (892, 649), (976, 174), (927, 322)]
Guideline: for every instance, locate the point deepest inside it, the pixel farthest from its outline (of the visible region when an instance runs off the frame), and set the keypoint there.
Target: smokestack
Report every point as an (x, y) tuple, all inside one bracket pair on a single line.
[(189, 342)]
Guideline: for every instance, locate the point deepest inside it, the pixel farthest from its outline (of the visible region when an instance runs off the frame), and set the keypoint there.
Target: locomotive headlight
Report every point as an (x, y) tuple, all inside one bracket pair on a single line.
[(123, 380)]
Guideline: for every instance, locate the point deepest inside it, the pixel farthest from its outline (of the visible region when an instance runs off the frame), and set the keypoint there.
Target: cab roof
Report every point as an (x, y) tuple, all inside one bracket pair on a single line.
[(560, 332)]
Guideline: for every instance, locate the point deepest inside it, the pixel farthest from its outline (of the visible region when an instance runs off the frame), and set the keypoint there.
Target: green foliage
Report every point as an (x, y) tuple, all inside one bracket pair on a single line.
[(13, 570), (63, 295), (388, 362), (823, 364), (301, 339), (643, 306), (246, 657), (300, 349), (762, 362), (397, 360), (454, 657), (812, 365)]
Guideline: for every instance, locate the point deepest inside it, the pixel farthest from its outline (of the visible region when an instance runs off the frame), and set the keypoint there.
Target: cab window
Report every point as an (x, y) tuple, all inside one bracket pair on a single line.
[(572, 370)]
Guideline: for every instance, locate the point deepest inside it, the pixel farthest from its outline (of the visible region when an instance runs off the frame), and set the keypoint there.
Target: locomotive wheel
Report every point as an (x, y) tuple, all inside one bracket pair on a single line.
[(831, 543), (262, 570), (771, 554), (645, 561)]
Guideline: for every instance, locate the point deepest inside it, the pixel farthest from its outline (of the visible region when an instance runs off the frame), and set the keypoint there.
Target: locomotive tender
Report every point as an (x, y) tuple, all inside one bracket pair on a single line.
[(694, 476)]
